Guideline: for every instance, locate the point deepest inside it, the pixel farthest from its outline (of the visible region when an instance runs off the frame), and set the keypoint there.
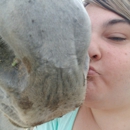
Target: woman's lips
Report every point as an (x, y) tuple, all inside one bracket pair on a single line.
[(92, 71)]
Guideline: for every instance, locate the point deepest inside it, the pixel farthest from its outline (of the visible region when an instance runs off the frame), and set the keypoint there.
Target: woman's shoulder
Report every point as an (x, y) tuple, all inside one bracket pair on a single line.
[(62, 123)]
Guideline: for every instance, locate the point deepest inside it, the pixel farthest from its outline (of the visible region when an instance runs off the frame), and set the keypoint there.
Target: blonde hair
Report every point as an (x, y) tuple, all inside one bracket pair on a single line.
[(120, 7)]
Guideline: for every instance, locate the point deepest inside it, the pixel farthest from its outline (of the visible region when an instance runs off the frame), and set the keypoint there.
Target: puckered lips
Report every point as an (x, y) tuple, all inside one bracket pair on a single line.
[(92, 72)]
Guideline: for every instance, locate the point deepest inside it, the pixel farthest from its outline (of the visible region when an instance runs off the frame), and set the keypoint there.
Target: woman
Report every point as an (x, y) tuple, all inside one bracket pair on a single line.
[(107, 103)]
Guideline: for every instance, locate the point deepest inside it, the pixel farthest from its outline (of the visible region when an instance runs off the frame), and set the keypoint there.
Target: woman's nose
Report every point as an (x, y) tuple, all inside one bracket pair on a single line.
[(94, 51)]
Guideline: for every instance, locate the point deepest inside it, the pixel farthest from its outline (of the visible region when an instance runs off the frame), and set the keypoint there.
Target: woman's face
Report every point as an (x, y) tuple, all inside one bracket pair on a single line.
[(108, 84)]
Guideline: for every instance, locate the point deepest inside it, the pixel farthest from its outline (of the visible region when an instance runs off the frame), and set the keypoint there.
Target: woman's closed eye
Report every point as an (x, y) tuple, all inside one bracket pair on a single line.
[(117, 38)]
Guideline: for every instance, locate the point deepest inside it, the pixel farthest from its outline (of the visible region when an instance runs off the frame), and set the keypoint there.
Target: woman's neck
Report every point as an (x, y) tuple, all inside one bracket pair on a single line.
[(111, 119), (95, 119)]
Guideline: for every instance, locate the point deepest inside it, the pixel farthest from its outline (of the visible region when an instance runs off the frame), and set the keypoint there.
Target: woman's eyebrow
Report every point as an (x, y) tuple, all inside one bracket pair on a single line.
[(116, 21)]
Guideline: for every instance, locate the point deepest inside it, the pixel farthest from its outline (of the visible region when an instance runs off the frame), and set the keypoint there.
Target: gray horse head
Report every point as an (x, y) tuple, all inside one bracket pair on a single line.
[(43, 59)]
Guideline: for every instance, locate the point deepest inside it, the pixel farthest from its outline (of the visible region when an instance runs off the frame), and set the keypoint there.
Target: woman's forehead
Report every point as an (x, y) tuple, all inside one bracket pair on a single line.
[(102, 18), (98, 14), (120, 7)]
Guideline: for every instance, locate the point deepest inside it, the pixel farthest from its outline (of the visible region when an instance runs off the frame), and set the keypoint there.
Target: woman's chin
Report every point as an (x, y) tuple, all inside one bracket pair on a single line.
[(92, 93)]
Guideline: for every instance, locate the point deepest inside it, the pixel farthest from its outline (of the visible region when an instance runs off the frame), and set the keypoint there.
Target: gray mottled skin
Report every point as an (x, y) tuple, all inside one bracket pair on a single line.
[(43, 59), (6, 125)]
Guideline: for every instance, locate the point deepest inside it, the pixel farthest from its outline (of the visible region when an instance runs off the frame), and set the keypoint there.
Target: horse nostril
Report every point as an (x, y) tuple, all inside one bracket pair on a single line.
[(27, 64)]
